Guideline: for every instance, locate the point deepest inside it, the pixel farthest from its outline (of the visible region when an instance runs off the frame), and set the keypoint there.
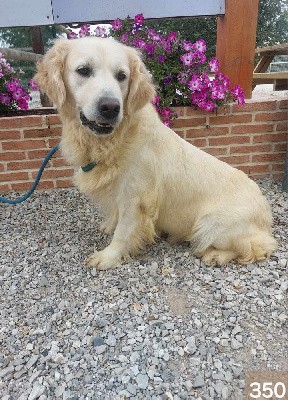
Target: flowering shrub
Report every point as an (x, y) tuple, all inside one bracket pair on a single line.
[(13, 96), (179, 68)]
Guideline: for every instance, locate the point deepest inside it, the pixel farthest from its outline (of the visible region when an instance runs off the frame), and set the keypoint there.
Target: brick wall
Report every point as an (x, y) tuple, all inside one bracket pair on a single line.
[(252, 137)]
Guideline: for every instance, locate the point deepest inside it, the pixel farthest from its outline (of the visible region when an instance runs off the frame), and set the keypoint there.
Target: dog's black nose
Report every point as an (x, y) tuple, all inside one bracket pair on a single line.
[(109, 108)]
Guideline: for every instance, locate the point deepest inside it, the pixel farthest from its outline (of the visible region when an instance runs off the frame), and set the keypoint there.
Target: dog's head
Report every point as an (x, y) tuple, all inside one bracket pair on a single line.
[(100, 79)]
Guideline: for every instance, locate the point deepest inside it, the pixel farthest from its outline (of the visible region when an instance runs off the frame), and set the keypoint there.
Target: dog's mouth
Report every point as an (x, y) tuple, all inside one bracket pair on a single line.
[(100, 128)]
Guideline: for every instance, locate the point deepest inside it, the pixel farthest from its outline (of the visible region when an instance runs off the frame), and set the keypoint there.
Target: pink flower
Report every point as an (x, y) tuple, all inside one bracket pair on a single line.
[(161, 58), (116, 24), (33, 84), (166, 112), (72, 35), (156, 99), (187, 58), (150, 49), (183, 77), (153, 35), (200, 45), (1, 73), (187, 46), (214, 65), (222, 79), (11, 86), (209, 106), (238, 94), (1, 55), (23, 104), (100, 31), (5, 98), (195, 83), (138, 19), (17, 95), (84, 31), (166, 122), (166, 46), (139, 43), (172, 37)]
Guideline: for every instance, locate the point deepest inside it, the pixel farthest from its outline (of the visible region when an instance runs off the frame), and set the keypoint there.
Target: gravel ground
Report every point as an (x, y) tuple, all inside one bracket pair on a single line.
[(163, 326)]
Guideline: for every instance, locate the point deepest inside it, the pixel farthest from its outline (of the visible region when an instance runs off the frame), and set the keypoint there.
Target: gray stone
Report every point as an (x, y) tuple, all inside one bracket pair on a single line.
[(198, 382), (142, 381)]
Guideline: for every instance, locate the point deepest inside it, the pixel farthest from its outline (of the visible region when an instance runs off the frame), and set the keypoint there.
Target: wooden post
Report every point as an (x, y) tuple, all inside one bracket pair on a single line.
[(236, 40)]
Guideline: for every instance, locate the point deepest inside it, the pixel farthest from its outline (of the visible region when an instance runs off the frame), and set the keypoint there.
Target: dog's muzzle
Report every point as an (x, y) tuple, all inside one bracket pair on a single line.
[(107, 113)]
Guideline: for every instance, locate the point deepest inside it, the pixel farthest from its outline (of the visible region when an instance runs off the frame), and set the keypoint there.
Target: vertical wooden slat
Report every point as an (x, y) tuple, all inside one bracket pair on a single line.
[(236, 40)]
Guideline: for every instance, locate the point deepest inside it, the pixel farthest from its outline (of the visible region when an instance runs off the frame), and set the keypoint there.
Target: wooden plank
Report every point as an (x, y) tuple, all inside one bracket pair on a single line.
[(236, 39), (271, 75), (263, 64), (278, 49)]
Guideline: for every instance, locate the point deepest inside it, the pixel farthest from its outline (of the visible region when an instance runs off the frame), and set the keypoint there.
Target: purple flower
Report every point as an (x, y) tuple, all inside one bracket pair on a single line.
[(140, 44), (161, 58), (138, 19), (166, 122), (116, 24), (209, 106), (187, 58), (156, 99), (222, 79), (23, 104), (11, 86), (238, 94), (214, 65), (183, 77), (150, 49), (33, 84), (166, 46), (195, 83), (1, 55), (168, 80), (200, 45), (72, 35), (172, 37), (124, 38), (100, 31), (17, 95), (153, 35), (5, 98), (1, 73), (84, 31), (166, 112), (187, 46)]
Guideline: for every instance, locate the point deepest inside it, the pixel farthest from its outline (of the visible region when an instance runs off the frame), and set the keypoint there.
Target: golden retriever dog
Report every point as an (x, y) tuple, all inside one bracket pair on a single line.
[(148, 180)]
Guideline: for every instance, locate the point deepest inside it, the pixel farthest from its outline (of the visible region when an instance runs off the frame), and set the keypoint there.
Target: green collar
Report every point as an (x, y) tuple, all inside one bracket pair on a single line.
[(89, 167)]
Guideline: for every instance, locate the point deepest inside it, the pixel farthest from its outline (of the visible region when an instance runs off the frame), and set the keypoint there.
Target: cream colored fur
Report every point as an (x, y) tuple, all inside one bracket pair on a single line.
[(149, 180)]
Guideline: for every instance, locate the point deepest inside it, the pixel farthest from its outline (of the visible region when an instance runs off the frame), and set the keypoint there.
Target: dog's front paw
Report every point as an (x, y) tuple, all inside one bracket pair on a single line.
[(103, 260)]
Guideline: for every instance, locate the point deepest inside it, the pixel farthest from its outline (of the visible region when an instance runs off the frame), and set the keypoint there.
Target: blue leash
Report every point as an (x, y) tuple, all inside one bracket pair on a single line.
[(28, 194)]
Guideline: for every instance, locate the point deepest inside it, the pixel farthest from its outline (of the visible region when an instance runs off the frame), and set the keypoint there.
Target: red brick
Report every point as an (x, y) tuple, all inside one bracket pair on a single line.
[(187, 122), (226, 140), (282, 126), (278, 166), (181, 111), (55, 173), (42, 132), (53, 119), (271, 137), (283, 104), (40, 154), (268, 157), (180, 133), (1, 167), (259, 106), (64, 183), (24, 165), (234, 160), (13, 176), (59, 162), (20, 122), (260, 148), (24, 145), (230, 119), (191, 111), (4, 135), (280, 147), (53, 142), (204, 132), (216, 151), (197, 142), (21, 186), (46, 185), (272, 116), (13, 155), (251, 128), (4, 188)]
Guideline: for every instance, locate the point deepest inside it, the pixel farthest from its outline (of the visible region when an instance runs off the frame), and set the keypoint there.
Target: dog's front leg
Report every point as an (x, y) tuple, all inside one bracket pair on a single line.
[(135, 228)]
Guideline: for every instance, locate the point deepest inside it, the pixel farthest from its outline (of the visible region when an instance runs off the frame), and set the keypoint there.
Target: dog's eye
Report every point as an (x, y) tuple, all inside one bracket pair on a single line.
[(84, 71), (121, 76)]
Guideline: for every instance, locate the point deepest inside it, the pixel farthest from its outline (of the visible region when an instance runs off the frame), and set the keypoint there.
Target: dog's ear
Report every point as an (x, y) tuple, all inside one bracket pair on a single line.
[(141, 89), (50, 70)]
